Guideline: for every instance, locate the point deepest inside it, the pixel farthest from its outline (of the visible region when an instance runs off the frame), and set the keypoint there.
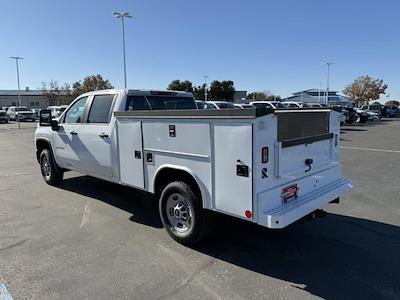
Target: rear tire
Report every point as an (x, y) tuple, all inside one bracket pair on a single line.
[(182, 214), (52, 174)]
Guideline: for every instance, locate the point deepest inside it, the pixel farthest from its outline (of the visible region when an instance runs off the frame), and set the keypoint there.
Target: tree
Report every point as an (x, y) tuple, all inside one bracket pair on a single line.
[(90, 83), (365, 89), (177, 85), (198, 92), (264, 95), (56, 94), (224, 90), (392, 103)]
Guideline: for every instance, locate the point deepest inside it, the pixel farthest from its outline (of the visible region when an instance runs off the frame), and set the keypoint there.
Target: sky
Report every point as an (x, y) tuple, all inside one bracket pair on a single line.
[(280, 46)]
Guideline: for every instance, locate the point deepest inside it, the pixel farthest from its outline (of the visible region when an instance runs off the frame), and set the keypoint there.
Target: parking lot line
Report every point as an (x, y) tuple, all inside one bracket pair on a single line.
[(4, 294), (370, 149)]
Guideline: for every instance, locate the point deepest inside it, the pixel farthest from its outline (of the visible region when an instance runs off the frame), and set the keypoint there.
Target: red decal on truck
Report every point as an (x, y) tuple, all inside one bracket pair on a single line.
[(289, 193)]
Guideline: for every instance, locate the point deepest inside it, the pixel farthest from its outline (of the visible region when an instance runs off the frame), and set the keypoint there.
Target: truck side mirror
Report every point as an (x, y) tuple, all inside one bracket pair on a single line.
[(45, 117), (54, 125)]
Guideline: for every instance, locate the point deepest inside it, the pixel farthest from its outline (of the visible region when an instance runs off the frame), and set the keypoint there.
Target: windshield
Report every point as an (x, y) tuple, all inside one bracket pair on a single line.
[(210, 106), (278, 105), (224, 105), (21, 109)]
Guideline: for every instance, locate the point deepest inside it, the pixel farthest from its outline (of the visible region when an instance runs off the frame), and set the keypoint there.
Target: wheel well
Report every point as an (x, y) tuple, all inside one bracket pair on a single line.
[(168, 175), (40, 146)]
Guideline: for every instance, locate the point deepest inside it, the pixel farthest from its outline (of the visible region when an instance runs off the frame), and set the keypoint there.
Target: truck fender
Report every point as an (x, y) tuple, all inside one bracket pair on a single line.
[(206, 197), (41, 141), (39, 146)]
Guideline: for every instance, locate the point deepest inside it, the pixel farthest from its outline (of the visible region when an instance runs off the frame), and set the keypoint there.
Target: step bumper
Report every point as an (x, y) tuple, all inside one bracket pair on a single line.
[(287, 213)]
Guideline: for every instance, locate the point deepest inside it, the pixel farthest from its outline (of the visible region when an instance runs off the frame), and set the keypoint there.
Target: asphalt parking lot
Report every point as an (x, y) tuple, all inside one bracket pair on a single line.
[(93, 239)]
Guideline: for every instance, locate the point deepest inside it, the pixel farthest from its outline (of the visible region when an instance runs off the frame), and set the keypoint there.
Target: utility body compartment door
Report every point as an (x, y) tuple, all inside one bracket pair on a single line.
[(233, 168), (130, 150), (306, 142)]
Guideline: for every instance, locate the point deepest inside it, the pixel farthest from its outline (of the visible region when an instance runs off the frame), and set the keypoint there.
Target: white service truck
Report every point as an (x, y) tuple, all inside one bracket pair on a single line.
[(268, 166)]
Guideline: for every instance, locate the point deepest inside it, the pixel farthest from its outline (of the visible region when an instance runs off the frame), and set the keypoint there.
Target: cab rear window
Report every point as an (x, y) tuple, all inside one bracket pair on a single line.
[(159, 103)]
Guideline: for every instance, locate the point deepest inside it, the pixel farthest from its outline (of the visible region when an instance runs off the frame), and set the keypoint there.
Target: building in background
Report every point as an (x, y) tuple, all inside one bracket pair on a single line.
[(29, 98), (319, 96)]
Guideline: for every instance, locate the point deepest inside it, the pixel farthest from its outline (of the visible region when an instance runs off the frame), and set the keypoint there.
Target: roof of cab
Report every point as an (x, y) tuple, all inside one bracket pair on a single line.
[(141, 92), (159, 93)]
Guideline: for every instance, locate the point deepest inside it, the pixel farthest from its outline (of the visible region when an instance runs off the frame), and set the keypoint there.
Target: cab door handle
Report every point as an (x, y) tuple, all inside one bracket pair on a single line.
[(73, 132), (103, 135)]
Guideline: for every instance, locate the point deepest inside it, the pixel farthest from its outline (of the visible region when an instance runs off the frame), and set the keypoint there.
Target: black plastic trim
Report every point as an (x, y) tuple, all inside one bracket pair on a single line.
[(306, 140)]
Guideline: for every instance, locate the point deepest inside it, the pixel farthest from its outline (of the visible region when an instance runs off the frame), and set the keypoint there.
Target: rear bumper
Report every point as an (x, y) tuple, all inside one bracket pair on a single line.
[(285, 214)]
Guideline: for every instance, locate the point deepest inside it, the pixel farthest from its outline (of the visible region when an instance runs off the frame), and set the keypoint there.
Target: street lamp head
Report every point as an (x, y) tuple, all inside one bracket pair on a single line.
[(122, 15), (16, 57)]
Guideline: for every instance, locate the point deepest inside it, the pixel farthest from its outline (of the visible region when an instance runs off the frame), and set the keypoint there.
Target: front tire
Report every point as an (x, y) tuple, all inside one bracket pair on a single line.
[(52, 174), (182, 214)]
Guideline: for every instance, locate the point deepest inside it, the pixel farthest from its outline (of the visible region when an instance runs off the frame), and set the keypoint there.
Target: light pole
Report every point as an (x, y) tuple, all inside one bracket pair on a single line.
[(328, 64), (17, 58), (205, 87), (122, 16), (319, 93)]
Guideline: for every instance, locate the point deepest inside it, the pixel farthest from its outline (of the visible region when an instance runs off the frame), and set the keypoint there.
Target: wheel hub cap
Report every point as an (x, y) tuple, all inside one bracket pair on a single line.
[(179, 213), (46, 169)]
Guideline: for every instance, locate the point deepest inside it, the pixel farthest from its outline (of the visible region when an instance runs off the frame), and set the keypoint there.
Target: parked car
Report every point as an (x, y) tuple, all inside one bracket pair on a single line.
[(390, 112), (36, 112), (20, 112), (362, 115), (373, 116), (221, 104), (292, 104), (343, 113), (376, 108), (244, 105), (352, 115), (201, 104), (314, 105), (3, 116), (268, 104), (56, 111)]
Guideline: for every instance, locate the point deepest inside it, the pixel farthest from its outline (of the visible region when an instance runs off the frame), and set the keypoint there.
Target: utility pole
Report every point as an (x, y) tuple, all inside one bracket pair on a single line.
[(17, 58), (205, 87), (328, 64), (122, 16)]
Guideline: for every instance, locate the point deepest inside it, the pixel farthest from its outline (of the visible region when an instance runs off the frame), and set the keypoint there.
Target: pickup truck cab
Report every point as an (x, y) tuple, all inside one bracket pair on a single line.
[(271, 167)]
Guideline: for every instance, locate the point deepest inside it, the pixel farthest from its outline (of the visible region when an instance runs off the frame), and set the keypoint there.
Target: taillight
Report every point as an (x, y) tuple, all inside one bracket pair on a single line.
[(264, 155)]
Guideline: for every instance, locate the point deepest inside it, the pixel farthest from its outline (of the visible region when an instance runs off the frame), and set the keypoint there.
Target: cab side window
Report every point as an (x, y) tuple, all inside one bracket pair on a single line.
[(75, 112), (100, 112)]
